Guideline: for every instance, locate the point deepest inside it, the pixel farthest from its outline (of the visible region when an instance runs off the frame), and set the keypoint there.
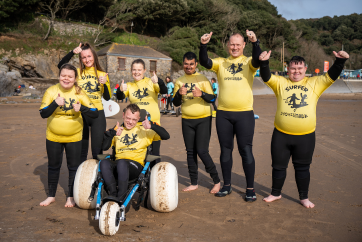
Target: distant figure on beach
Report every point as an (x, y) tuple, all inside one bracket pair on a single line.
[(294, 133)]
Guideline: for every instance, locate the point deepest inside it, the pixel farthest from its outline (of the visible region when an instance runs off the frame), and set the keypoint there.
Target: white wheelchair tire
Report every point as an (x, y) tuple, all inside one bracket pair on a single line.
[(84, 178), (163, 191), (108, 219)]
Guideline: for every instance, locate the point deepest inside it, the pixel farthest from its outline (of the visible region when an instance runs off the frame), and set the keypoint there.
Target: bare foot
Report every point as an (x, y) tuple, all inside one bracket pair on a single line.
[(70, 202), (215, 189), (271, 198), (306, 203), (190, 188), (47, 201)]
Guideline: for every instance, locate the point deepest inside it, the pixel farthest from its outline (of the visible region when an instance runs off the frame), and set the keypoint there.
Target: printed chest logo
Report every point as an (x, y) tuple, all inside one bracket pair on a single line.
[(292, 101), (91, 87), (190, 87), (67, 105), (233, 69), (141, 94), (127, 140)]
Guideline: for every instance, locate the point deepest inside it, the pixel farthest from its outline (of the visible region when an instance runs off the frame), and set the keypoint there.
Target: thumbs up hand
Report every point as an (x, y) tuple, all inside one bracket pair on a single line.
[(251, 36), (154, 78), (206, 38), (59, 100), (197, 92), (119, 130), (146, 124), (117, 126), (78, 49), (183, 90), (76, 106), (103, 79), (123, 86)]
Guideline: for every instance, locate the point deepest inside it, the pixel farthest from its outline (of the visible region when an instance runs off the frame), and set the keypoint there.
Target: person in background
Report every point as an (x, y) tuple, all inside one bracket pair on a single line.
[(215, 89)]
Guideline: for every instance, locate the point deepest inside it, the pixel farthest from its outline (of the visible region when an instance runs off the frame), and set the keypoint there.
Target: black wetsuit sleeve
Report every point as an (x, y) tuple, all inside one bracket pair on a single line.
[(48, 110), (336, 68), (265, 71), (209, 98), (90, 112), (163, 88), (119, 94), (106, 94), (66, 59), (177, 99), (164, 135), (107, 138), (255, 54), (204, 59)]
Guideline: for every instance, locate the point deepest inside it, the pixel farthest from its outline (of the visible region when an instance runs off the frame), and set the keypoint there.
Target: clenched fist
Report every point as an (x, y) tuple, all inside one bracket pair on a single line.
[(206, 38)]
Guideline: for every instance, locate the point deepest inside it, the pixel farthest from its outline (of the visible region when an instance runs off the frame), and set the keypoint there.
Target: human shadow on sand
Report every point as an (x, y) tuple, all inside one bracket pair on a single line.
[(42, 172), (206, 181)]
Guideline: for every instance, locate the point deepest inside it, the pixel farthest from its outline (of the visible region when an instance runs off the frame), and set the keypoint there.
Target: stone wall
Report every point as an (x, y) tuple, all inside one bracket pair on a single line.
[(115, 76), (64, 28)]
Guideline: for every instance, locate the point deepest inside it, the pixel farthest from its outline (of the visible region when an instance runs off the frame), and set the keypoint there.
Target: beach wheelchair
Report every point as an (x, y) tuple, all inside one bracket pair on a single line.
[(160, 185)]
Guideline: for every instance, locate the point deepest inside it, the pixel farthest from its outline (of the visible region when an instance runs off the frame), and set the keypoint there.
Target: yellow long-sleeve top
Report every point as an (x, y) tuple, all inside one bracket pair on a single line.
[(65, 125), (132, 144), (194, 107), (297, 102), (144, 93), (89, 83), (235, 77)]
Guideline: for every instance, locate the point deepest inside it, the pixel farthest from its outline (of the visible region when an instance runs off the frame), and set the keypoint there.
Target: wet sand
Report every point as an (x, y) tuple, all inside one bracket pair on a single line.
[(336, 187)]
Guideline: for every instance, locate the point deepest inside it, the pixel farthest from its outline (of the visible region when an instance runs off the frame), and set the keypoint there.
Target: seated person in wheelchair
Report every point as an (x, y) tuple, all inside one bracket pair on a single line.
[(130, 142)]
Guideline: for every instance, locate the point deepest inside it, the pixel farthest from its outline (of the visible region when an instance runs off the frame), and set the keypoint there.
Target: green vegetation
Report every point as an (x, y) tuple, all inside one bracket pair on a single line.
[(175, 27)]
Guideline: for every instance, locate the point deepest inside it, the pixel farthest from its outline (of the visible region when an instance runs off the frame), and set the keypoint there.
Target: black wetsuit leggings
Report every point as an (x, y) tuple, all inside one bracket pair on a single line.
[(300, 148), (197, 134), (55, 157), (214, 103), (169, 102), (124, 170), (98, 127), (241, 125)]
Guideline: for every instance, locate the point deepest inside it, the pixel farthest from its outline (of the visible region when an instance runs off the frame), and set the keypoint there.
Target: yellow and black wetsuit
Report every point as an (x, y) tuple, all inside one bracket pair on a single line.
[(235, 116), (89, 82), (144, 93), (196, 123), (64, 131), (131, 149), (295, 123)]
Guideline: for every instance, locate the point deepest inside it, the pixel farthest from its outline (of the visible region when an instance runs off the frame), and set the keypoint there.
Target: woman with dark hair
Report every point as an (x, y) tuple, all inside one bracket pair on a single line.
[(63, 104), (144, 91), (170, 87), (95, 83)]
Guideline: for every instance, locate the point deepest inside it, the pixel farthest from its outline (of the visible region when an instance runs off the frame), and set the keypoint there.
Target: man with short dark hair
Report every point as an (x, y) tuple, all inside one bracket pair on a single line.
[(295, 120), (235, 116), (130, 141), (194, 93)]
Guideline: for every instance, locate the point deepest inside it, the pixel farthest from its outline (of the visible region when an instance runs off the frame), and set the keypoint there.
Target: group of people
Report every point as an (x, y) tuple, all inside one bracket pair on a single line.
[(74, 106)]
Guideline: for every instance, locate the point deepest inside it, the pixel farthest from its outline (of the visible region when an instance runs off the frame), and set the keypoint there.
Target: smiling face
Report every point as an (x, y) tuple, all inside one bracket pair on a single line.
[(297, 71), (138, 71), (236, 46), (189, 66), (130, 119), (67, 79), (87, 57)]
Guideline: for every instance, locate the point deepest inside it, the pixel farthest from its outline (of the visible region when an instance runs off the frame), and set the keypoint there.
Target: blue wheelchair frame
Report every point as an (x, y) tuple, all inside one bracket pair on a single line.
[(141, 184)]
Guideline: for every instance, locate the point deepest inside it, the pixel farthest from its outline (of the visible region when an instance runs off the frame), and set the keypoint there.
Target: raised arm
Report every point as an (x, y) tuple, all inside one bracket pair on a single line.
[(69, 56), (204, 59), (337, 67), (120, 91), (264, 66), (47, 111), (256, 48)]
